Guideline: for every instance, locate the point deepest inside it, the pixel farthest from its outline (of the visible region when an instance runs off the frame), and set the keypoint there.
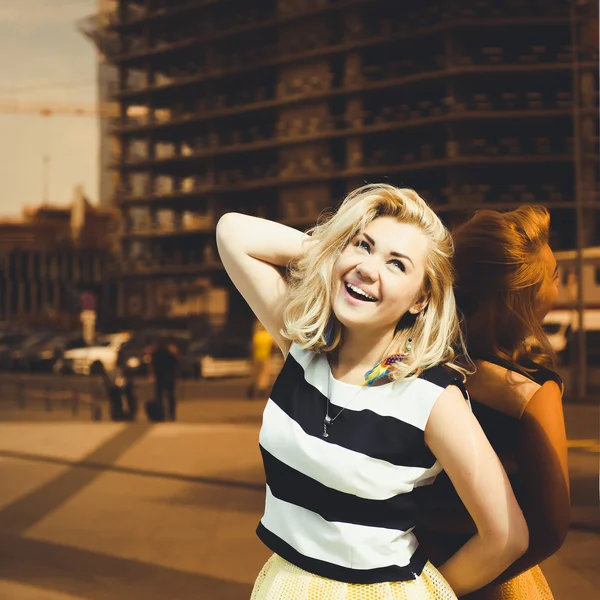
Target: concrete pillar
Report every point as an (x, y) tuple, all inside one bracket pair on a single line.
[(30, 266), (21, 298), (57, 299), (44, 283), (33, 303), (43, 273)]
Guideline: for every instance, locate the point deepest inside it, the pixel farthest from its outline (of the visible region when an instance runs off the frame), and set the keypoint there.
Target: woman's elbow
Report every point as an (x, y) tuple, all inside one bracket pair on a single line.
[(226, 224), (228, 230), (511, 541), (519, 539)]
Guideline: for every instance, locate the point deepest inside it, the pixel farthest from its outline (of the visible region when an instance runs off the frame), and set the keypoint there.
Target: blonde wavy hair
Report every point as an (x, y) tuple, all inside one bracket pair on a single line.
[(308, 316), (500, 269)]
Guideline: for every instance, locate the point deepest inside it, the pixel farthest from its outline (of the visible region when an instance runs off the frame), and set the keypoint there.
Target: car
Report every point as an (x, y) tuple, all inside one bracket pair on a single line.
[(21, 356), (228, 357), (561, 326), (135, 354), (216, 357), (42, 357), (9, 342), (100, 357)]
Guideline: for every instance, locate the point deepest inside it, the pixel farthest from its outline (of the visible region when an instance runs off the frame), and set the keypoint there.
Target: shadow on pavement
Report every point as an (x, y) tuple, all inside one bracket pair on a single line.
[(96, 576), (26, 511)]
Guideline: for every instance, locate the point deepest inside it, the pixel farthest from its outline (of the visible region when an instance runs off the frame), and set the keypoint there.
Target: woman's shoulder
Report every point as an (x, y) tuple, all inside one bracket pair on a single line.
[(502, 388), (526, 367), (442, 376), (541, 374), (305, 357)]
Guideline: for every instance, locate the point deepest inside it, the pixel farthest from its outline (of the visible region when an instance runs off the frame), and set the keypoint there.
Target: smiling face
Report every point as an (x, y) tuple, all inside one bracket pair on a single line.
[(379, 276)]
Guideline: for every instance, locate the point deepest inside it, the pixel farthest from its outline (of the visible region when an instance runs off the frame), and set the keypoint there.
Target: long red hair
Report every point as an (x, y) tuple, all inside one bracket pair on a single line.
[(499, 271)]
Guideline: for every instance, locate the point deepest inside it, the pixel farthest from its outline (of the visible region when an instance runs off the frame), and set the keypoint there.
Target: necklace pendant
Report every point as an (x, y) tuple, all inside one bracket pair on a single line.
[(327, 420), (325, 434)]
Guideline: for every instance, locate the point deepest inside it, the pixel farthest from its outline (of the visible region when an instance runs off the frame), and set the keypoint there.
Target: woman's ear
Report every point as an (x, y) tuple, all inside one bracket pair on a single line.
[(419, 305)]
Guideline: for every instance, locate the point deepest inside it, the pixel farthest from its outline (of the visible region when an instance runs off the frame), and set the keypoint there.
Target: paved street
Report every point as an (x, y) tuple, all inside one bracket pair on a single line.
[(100, 510)]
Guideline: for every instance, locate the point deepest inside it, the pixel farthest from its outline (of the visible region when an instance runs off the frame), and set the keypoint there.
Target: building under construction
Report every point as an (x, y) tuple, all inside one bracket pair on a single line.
[(278, 108)]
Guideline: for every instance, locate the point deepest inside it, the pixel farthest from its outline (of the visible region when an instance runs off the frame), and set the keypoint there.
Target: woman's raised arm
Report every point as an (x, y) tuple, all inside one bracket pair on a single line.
[(255, 253)]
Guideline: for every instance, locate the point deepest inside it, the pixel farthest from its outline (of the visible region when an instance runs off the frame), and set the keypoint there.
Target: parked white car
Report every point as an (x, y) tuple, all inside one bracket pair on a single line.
[(560, 324), (219, 358), (91, 360), (235, 367)]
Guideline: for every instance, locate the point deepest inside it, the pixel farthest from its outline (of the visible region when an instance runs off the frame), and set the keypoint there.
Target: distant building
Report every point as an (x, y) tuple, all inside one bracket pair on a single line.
[(53, 255), (279, 108)]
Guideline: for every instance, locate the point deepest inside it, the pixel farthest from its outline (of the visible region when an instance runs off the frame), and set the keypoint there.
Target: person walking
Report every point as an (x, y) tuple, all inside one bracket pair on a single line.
[(110, 379), (262, 345), (126, 385), (164, 360)]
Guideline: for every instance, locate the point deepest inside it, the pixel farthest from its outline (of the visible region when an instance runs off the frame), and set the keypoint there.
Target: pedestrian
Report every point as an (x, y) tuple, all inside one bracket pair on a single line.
[(124, 381), (369, 406), (507, 281), (110, 379), (262, 345), (164, 360), (128, 390)]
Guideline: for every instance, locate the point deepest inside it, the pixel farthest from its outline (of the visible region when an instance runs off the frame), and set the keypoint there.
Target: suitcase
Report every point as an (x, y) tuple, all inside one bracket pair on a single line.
[(116, 404), (155, 411)]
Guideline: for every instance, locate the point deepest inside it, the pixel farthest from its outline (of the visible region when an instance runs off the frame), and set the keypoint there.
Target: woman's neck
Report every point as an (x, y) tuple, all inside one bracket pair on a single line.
[(356, 355)]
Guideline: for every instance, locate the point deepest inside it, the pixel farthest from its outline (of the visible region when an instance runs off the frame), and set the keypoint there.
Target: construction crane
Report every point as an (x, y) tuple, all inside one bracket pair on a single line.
[(48, 109)]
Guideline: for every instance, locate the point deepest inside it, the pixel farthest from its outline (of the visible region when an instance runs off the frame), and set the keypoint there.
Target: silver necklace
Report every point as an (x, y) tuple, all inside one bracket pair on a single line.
[(381, 369), (328, 420)]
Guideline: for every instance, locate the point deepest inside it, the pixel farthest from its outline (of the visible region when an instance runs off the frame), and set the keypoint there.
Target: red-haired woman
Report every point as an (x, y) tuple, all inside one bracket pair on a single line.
[(506, 278)]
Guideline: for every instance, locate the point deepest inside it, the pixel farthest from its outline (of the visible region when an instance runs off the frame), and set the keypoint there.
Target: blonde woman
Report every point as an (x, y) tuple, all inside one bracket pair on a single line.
[(506, 283), (364, 414)]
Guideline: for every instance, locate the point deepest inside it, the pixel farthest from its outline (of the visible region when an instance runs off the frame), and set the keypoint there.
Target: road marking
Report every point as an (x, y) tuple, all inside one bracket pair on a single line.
[(587, 445)]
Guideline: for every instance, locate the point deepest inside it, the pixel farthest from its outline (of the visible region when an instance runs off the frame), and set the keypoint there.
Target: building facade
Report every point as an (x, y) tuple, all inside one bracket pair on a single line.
[(278, 108), (52, 256)]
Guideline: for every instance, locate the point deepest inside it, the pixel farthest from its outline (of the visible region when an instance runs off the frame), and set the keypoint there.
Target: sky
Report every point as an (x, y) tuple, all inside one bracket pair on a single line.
[(45, 59)]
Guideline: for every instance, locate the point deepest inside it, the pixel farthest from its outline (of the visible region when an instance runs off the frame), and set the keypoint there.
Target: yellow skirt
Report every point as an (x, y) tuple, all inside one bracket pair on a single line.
[(530, 585), (280, 580)]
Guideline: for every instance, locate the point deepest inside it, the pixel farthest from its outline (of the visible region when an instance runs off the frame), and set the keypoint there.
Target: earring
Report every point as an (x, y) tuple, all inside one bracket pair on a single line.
[(381, 369)]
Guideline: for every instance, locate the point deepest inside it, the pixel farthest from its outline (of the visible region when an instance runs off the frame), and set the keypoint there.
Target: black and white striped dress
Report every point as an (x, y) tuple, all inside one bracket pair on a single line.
[(343, 507)]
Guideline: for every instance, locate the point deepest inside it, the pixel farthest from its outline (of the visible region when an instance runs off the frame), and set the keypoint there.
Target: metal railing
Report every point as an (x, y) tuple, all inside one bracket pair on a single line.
[(53, 392)]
